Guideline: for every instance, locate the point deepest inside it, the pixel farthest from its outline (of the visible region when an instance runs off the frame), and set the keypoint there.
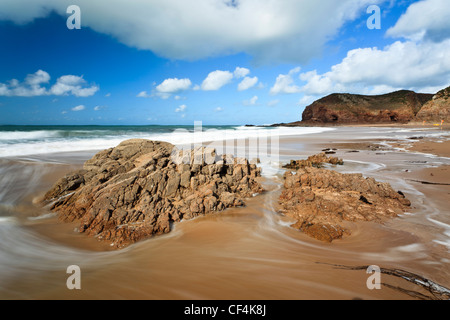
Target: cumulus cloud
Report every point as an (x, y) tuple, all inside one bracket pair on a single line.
[(167, 88), (216, 80), (427, 19), (181, 108), (270, 31), (174, 85), (418, 66), (33, 86), (219, 78), (420, 61), (143, 94), (79, 108), (247, 83), (37, 78), (71, 84), (251, 102), (285, 83), (241, 72)]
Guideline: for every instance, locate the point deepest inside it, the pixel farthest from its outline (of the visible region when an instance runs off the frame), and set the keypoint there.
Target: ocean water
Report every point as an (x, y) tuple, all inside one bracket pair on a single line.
[(33, 140)]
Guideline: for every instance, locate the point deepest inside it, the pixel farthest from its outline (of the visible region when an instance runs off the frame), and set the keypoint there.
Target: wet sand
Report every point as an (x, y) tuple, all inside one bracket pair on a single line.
[(251, 252)]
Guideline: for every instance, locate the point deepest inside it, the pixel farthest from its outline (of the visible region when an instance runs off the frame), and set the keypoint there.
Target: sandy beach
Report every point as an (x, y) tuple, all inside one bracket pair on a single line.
[(252, 252)]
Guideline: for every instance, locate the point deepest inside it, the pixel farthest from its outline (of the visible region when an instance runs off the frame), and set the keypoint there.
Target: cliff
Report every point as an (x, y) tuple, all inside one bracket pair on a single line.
[(437, 109), (343, 108)]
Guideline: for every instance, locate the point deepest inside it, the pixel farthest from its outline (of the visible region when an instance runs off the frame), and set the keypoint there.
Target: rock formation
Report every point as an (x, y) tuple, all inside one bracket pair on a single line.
[(139, 188), (398, 107), (316, 160), (322, 200), (437, 109)]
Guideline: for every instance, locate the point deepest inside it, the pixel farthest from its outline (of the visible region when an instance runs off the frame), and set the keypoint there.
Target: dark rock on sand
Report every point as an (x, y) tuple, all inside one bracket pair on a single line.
[(139, 188), (314, 161), (322, 200)]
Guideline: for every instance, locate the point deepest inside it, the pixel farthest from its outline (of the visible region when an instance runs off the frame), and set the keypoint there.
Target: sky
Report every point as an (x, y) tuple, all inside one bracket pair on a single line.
[(222, 62)]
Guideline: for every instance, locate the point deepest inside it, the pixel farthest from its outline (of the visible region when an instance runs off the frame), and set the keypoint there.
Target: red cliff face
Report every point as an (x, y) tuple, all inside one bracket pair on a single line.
[(437, 109), (399, 107)]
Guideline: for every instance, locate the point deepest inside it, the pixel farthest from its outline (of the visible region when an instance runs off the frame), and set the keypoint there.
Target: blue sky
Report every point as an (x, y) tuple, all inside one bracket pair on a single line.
[(218, 61)]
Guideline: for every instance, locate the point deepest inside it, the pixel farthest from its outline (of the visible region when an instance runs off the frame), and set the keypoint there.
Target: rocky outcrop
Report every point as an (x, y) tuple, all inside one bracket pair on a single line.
[(437, 109), (316, 160), (322, 200), (396, 107), (139, 188)]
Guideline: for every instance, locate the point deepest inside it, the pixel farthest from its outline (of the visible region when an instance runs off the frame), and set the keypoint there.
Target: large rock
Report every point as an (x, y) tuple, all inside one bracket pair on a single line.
[(139, 188), (322, 200), (339, 108), (437, 109)]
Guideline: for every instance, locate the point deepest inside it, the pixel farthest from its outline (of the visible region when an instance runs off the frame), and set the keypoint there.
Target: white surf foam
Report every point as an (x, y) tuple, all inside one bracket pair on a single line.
[(44, 142)]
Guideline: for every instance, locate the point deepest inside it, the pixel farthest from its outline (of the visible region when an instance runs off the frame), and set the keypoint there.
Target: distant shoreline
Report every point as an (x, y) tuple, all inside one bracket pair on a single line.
[(353, 125)]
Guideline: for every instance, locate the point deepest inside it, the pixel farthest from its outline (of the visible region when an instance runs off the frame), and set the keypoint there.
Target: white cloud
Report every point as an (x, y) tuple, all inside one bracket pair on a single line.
[(247, 83), (143, 94), (419, 62), (285, 83), (241, 72), (421, 66), (32, 86), (181, 108), (37, 78), (167, 88), (98, 108), (74, 85), (79, 108), (268, 30), (427, 19), (216, 80), (218, 109), (251, 102), (174, 85)]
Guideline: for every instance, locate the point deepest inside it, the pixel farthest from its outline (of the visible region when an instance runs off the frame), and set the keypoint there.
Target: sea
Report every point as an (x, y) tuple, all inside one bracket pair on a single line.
[(33, 140)]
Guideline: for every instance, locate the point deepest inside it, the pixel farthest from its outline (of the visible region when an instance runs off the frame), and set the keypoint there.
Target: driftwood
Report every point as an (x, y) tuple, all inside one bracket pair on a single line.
[(437, 291)]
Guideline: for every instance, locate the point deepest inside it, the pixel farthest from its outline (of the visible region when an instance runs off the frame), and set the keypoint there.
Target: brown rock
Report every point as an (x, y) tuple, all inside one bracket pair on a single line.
[(437, 109), (321, 200), (139, 188)]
